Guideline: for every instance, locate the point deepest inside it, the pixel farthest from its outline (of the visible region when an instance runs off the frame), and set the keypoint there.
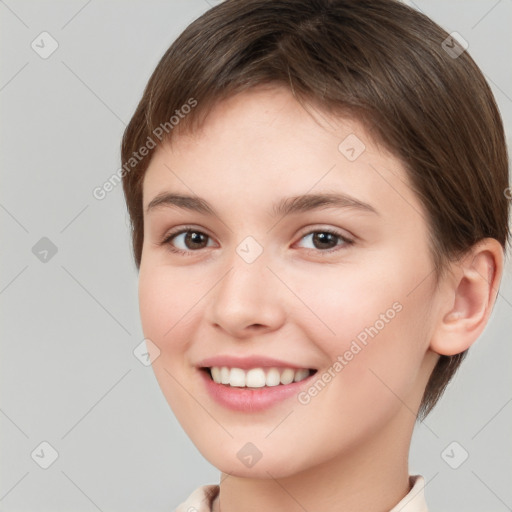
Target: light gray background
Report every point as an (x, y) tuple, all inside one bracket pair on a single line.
[(70, 325)]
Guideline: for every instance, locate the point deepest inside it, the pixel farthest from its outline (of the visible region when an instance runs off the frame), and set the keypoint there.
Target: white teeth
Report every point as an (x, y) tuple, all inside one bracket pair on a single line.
[(237, 378), (300, 375), (287, 376), (216, 374), (257, 377), (273, 378), (224, 375), (254, 378)]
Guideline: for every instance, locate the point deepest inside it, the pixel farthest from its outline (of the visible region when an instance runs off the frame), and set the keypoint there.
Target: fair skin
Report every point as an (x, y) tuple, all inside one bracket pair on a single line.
[(347, 449)]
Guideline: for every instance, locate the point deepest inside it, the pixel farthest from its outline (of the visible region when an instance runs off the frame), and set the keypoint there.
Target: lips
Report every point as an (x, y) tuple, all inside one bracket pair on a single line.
[(268, 381), (254, 371), (246, 363)]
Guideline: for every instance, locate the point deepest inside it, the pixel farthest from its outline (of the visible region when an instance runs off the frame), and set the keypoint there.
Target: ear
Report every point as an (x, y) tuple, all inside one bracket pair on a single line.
[(468, 297)]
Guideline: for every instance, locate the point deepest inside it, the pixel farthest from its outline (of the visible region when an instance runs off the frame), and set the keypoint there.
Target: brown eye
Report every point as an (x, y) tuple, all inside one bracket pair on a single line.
[(195, 240), (186, 241), (325, 240)]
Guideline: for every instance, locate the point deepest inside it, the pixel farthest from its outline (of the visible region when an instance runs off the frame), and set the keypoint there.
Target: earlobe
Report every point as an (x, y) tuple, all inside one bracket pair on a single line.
[(469, 297)]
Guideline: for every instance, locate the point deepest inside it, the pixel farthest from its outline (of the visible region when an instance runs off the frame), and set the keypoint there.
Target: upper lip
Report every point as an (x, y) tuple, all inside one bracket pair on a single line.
[(247, 362)]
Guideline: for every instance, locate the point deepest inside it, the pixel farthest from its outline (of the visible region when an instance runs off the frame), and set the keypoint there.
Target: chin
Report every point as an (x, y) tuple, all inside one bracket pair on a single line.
[(270, 465)]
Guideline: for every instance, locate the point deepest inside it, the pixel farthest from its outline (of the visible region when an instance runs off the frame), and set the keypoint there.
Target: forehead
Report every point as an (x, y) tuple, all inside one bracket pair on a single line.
[(262, 143), (251, 119)]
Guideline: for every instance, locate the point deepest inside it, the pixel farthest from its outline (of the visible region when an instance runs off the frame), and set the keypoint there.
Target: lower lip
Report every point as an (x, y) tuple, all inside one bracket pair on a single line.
[(251, 399)]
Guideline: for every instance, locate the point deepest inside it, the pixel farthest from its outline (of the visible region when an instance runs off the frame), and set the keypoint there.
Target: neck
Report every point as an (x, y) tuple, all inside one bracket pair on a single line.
[(373, 477)]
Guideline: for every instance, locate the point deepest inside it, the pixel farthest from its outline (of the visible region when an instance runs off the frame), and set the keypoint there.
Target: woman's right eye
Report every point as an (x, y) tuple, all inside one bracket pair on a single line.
[(186, 241)]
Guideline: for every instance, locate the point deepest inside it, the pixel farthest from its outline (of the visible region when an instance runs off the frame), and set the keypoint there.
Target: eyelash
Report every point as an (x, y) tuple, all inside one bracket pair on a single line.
[(167, 239)]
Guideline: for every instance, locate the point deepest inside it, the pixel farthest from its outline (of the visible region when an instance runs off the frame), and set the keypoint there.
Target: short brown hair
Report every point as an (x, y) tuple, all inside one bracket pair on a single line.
[(378, 61)]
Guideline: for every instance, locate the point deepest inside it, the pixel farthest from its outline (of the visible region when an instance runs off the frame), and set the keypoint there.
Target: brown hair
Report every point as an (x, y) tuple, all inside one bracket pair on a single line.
[(376, 60)]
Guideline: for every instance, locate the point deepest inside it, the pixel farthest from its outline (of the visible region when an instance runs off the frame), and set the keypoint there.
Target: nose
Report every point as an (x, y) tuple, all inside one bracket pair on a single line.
[(248, 299)]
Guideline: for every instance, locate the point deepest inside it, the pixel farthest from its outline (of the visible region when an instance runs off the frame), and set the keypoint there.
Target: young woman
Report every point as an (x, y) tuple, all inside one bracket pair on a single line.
[(317, 191)]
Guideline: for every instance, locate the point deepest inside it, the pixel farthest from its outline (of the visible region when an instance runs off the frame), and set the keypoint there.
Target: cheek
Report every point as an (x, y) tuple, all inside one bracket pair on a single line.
[(373, 330), (371, 379), (382, 290), (166, 304), (346, 304)]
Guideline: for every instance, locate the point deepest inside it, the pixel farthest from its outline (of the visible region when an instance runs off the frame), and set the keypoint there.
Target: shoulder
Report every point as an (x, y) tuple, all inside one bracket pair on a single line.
[(414, 501), (200, 500)]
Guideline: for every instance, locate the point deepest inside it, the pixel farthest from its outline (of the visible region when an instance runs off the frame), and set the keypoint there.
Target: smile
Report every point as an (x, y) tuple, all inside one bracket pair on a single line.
[(256, 389), (257, 377)]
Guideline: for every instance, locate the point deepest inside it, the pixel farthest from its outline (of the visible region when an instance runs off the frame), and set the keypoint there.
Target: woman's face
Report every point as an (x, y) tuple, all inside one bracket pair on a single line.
[(341, 284)]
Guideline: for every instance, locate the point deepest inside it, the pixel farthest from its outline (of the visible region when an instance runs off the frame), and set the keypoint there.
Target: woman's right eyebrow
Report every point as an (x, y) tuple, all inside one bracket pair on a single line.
[(169, 200), (285, 206)]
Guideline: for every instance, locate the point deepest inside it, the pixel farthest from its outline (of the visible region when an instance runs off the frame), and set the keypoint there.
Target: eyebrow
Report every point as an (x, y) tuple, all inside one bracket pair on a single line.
[(286, 206)]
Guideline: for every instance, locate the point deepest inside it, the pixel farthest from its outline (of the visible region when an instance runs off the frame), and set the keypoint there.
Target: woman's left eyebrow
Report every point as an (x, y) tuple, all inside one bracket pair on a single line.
[(285, 206)]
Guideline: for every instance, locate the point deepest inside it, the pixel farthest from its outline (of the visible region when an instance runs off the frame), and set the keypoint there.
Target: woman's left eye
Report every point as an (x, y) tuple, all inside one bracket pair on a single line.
[(326, 240)]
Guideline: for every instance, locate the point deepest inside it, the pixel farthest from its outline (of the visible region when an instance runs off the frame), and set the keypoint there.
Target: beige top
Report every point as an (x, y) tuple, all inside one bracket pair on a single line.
[(204, 497)]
